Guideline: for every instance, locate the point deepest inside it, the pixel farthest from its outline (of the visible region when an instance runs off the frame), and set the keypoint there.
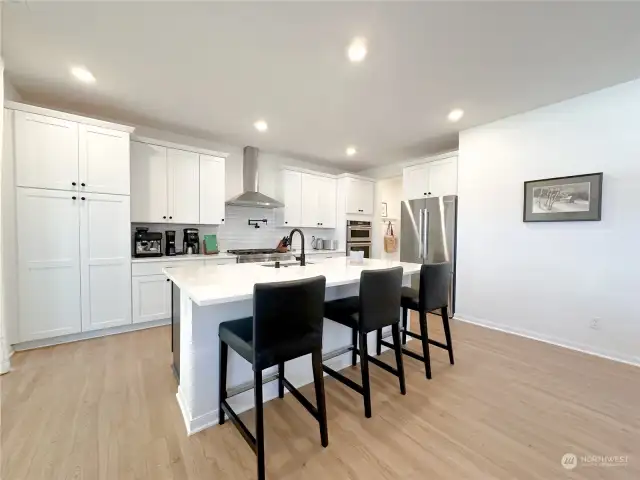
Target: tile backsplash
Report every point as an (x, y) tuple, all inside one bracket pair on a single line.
[(236, 233)]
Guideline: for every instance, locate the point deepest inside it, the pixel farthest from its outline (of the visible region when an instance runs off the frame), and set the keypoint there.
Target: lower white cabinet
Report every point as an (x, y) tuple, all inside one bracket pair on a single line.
[(48, 263), (151, 298), (73, 262)]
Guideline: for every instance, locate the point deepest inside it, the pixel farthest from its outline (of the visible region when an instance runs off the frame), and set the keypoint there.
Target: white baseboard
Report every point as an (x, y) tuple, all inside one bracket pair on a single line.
[(521, 332), (48, 342)]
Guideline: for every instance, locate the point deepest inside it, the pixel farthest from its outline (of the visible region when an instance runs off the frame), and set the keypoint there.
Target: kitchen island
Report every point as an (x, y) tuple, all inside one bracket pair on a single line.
[(205, 296)]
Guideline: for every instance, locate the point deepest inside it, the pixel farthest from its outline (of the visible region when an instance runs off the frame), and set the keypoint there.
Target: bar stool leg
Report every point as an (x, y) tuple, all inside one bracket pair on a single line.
[(425, 343), (379, 342), (354, 343), (318, 379), (404, 326), (257, 378), (222, 390), (364, 366), (395, 330), (280, 380), (447, 332)]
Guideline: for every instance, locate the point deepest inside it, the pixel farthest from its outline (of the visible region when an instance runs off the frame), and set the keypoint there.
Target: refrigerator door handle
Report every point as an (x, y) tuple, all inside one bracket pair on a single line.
[(425, 237), (420, 247)]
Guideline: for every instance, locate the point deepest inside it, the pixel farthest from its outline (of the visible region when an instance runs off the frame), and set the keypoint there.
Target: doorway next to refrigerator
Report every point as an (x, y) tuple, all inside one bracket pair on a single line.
[(428, 235)]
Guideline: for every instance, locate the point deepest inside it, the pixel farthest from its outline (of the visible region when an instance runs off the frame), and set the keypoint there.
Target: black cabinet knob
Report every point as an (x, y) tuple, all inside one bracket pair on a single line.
[(168, 280), (429, 193), (73, 198), (286, 223), (82, 198), (164, 216), (223, 219), (82, 184), (73, 183), (424, 193), (170, 218)]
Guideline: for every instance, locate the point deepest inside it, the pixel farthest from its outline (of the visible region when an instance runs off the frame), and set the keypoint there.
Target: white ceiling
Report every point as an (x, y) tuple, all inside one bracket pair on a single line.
[(211, 69)]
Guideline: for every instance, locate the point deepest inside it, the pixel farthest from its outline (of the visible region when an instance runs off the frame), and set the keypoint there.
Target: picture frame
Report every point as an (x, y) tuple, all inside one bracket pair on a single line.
[(383, 210), (575, 198)]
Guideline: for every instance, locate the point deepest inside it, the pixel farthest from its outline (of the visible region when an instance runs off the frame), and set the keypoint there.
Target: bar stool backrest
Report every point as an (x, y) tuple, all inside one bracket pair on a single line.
[(434, 286), (380, 293)]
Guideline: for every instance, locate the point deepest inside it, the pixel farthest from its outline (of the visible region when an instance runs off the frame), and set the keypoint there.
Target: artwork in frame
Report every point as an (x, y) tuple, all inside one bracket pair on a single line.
[(563, 199), (383, 209)]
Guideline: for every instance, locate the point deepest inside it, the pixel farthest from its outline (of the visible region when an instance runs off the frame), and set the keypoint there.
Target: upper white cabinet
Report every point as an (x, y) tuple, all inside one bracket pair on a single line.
[(48, 263), (212, 190), (176, 185), (67, 155), (432, 179), (292, 198), (309, 200), (183, 182), (105, 260), (359, 196), (104, 160), (46, 151), (148, 183)]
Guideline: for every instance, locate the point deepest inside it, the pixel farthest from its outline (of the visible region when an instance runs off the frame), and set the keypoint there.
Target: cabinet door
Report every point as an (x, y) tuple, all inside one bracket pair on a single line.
[(104, 160), (443, 177), (326, 189), (415, 182), (148, 183), (292, 196), (360, 197), (151, 296), (105, 260), (212, 190), (366, 194), (309, 201), (184, 186), (48, 263), (46, 151)]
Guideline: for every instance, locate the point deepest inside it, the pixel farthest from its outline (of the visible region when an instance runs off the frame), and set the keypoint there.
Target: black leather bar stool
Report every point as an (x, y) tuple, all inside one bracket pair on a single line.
[(377, 306), (286, 324), (433, 295)]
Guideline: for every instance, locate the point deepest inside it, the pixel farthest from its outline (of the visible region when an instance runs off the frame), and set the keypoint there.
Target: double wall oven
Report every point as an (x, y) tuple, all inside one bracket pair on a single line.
[(359, 237)]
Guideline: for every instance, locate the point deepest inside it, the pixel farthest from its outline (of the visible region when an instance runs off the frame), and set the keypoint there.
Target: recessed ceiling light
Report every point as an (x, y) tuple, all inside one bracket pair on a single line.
[(351, 151), (261, 126), (455, 115), (357, 49), (83, 74)]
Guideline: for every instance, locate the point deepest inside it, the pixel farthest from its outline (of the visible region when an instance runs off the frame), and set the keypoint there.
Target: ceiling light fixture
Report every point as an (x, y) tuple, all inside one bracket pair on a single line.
[(351, 151), (261, 126), (83, 74), (357, 49), (455, 115)]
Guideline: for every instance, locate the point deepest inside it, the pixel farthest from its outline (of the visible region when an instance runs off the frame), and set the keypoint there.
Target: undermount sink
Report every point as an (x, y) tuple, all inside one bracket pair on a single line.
[(285, 264)]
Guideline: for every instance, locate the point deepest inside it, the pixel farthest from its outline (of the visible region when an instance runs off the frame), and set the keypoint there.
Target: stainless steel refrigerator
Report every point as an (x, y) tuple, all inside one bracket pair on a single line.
[(428, 235)]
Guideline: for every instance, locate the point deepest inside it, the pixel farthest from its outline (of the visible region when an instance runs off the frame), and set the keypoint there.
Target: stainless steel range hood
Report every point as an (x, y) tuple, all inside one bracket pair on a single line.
[(251, 197)]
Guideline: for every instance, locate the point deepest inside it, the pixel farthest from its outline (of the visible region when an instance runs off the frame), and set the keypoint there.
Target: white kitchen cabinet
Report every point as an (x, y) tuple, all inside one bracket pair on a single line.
[(46, 151), (309, 201), (359, 196), (48, 263), (148, 183), (151, 298), (105, 260), (431, 179), (104, 160), (326, 201), (212, 190), (183, 191), (291, 214)]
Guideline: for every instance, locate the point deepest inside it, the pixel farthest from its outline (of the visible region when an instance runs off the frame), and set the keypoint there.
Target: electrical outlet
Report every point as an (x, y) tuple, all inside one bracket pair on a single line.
[(595, 323)]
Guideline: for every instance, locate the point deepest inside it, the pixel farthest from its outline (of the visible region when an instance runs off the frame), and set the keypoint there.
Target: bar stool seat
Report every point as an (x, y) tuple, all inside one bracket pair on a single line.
[(410, 298), (344, 311)]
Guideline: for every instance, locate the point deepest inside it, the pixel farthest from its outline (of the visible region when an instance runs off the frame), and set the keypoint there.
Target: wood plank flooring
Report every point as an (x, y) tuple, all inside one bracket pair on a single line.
[(510, 408)]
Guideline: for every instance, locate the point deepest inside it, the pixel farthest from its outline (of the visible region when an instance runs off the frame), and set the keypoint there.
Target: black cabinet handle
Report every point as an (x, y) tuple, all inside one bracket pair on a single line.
[(223, 219), (170, 218), (168, 280), (82, 184), (73, 183), (73, 198), (286, 223), (82, 198), (164, 216)]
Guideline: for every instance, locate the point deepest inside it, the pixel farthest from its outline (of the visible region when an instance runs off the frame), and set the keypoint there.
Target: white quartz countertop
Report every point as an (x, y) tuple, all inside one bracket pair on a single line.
[(215, 284), (182, 258)]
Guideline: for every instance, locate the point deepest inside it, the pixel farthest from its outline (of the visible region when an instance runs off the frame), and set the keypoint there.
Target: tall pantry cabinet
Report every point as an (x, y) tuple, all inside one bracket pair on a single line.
[(72, 222)]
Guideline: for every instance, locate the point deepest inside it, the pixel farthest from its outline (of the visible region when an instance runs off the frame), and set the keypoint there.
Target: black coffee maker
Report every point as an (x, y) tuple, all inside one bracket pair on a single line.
[(170, 243), (190, 241)]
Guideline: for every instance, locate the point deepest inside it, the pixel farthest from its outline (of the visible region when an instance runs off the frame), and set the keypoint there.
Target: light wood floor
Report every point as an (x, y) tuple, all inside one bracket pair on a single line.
[(510, 408)]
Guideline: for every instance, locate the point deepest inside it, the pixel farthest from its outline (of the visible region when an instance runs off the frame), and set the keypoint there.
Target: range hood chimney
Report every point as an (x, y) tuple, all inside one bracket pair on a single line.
[(250, 197)]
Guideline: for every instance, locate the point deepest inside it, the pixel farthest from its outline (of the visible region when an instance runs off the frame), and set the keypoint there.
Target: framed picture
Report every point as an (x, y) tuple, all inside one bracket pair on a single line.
[(383, 211), (563, 199)]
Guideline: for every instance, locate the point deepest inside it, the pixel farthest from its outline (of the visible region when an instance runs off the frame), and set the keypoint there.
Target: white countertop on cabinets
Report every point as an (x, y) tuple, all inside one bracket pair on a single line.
[(215, 284), (183, 258)]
